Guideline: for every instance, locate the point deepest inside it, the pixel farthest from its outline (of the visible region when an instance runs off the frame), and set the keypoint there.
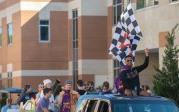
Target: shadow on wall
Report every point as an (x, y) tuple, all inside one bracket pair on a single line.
[(44, 43)]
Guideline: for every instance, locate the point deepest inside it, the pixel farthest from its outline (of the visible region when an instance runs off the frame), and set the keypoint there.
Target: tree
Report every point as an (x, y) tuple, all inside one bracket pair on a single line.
[(166, 80)]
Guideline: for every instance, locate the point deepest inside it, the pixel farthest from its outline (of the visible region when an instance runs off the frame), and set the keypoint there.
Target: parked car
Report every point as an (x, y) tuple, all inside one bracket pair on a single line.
[(8, 93), (116, 103)]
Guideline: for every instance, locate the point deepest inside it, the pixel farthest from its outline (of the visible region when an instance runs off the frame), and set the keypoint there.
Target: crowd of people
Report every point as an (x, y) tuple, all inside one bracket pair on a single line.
[(54, 97)]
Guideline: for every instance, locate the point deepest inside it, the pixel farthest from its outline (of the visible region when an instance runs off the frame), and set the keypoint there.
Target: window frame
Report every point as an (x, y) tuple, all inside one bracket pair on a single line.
[(48, 26)]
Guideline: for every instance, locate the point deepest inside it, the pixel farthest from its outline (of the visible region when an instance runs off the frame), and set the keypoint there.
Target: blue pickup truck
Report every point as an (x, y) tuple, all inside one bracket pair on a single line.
[(116, 103)]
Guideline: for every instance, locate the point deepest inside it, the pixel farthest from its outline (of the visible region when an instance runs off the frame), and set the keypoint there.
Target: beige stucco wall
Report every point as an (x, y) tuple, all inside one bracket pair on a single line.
[(155, 19), (146, 76)]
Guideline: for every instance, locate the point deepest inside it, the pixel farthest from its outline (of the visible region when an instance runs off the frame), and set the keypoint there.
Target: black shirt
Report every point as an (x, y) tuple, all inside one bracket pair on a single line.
[(130, 77)]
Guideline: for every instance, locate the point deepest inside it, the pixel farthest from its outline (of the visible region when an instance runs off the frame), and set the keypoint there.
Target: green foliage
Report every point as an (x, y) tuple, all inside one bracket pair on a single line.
[(3, 99), (166, 80)]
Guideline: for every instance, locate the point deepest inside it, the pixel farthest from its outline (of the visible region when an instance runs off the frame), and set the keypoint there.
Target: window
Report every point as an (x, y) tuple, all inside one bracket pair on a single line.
[(140, 4), (174, 0), (75, 45), (91, 106), (145, 106), (117, 10), (0, 36), (146, 3), (116, 66), (44, 31), (103, 107), (75, 28), (9, 76), (82, 106), (156, 2), (10, 33)]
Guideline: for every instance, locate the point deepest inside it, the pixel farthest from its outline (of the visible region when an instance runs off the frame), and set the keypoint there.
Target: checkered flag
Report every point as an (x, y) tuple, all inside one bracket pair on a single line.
[(121, 44), (129, 22), (126, 37)]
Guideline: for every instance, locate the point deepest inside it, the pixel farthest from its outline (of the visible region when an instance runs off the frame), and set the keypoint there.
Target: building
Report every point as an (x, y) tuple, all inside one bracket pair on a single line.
[(60, 39), (155, 21)]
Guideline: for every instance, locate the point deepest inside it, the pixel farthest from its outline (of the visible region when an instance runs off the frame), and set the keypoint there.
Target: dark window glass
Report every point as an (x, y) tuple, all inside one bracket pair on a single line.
[(75, 45), (91, 106), (114, 15), (44, 22), (114, 2), (9, 81), (76, 22), (116, 63), (76, 55), (10, 33), (117, 10), (146, 3), (140, 4), (44, 33), (116, 67), (75, 13), (74, 30), (103, 107), (156, 2), (9, 74), (44, 30), (118, 1)]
